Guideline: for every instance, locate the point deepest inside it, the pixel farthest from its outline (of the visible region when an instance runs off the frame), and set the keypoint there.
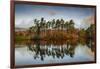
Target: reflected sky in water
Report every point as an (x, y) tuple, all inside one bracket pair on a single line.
[(48, 54)]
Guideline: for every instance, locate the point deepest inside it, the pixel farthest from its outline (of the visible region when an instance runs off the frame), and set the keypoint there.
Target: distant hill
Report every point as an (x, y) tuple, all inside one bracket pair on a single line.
[(21, 29)]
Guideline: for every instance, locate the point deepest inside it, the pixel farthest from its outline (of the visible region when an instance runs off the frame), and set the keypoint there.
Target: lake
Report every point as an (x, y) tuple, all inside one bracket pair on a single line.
[(42, 52)]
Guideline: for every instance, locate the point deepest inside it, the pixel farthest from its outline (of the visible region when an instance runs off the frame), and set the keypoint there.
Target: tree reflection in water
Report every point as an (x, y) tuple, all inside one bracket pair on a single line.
[(55, 49), (91, 44), (58, 50)]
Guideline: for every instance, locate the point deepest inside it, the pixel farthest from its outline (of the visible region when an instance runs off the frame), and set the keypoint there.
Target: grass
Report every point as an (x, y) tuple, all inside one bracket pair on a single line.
[(19, 38)]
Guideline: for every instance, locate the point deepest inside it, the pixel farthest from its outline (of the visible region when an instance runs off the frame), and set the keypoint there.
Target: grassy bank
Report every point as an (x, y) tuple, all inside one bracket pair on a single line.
[(19, 38)]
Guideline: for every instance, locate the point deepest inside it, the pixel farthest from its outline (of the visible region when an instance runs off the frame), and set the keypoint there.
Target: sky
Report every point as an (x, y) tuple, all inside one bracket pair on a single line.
[(25, 14)]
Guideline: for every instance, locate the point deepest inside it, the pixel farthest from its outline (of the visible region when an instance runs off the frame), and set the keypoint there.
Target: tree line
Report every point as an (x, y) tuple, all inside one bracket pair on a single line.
[(58, 24), (59, 29)]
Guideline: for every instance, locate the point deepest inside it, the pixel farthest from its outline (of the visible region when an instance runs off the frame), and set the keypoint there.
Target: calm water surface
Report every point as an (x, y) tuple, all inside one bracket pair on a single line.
[(46, 53)]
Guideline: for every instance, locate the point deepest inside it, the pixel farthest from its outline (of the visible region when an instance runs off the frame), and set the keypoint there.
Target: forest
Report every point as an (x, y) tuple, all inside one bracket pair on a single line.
[(55, 30)]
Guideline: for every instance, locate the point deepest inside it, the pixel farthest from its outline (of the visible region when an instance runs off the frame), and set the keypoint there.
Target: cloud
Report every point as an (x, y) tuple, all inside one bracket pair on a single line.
[(48, 11), (90, 19), (52, 13), (86, 22), (25, 23)]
